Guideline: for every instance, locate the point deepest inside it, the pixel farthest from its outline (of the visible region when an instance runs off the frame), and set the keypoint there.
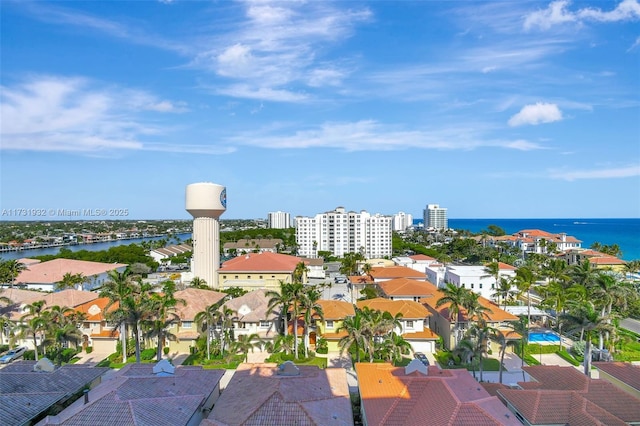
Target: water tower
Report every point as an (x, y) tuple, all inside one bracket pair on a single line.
[(206, 201)]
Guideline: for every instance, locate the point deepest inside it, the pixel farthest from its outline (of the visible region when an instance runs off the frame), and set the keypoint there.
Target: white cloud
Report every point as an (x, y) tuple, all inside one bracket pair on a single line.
[(278, 49), (607, 173), (558, 13), (536, 114), (48, 113), (370, 135)]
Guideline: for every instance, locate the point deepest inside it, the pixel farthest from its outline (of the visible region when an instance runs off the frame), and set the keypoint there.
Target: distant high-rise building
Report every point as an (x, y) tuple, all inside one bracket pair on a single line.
[(279, 220), (435, 217), (402, 221), (340, 232)]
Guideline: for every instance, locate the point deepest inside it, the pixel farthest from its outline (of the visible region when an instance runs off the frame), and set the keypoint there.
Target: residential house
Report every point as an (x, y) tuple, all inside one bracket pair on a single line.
[(405, 289), (257, 245), (414, 326), (30, 389), (186, 330), (597, 259), (96, 331), (420, 395), (45, 275), (251, 317), (315, 267), (418, 262), (536, 241), (254, 271), (563, 395), (444, 325), (624, 375), (334, 313), (268, 394), (20, 299), (146, 394)]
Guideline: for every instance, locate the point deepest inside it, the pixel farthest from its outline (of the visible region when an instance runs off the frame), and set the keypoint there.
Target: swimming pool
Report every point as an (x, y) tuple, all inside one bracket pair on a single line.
[(543, 337)]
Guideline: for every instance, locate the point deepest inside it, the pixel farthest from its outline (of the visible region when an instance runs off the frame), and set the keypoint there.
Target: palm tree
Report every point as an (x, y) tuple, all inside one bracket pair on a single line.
[(300, 272), (297, 289), (588, 321), (9, 270), (501, 338), (454, 296), (281, 299), (310, 309), (584, 274), (481, 332), (204, 320), (281, 343), (200, 283), (224, 318), (35, 324), (245, 343), (118, 286), (504, 291), (5, 328), (556, 296), (525, 280), (394, 346), (493, 269), (163, 305), (70, 280), (355, 339), (466, 350)]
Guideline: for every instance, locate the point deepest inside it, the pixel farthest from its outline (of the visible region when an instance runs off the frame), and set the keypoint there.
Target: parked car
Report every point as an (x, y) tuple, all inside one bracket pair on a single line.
[(13, 354), (422, 357)]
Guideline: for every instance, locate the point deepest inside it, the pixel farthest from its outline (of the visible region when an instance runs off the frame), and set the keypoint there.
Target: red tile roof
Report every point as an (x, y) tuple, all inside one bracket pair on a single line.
[(94, 309), (336, 309), (263, 262), (421, 257)]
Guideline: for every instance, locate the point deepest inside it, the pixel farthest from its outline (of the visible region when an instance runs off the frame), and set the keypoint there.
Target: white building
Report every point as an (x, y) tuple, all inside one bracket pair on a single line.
[(402, 221), (475, 278), (341, 232), (279, 220), (435, 217)]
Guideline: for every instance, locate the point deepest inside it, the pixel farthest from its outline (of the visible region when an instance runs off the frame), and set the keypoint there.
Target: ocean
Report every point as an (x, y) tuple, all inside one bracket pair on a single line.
[(623, 232)]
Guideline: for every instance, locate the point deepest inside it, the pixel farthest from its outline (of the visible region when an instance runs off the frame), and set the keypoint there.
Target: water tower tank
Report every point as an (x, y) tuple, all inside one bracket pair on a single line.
[(206, 199)]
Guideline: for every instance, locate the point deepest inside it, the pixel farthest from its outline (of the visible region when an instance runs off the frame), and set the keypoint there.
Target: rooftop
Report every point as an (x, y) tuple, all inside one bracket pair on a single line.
[(266, 261), (408, 308), (52, 271), (395, 272)]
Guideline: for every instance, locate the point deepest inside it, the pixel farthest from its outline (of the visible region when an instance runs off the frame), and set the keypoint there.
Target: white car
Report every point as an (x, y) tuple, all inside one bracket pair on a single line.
[(13, 354)]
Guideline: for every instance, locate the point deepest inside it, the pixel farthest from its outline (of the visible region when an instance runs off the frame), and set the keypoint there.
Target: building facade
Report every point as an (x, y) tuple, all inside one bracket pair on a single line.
[(435, 217), (279, 220), (341, 232), (402, 221)]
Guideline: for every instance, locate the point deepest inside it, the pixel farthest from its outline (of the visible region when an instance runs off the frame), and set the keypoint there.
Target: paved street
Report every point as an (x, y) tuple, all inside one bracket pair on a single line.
[(631, 324)]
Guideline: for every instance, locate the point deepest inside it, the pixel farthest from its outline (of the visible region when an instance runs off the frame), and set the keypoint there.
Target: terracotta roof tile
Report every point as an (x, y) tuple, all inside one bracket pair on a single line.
[(336, 309), (426, 334), (267, 261), (407, 287), (408, 308), (494, 314), (623, 371), (196, 300)]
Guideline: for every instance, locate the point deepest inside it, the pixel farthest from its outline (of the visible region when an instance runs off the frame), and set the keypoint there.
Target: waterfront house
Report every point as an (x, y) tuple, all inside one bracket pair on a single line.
[(254, 271), (271, 394), (418, 395), (597, 259), (166, 253)]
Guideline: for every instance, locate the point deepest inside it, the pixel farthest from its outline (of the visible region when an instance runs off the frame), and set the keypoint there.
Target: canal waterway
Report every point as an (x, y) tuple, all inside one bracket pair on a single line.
[(105, 245)]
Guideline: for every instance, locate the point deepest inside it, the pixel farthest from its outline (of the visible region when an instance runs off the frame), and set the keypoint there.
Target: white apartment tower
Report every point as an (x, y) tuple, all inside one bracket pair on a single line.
[(402, 221), (435, 217), (341, 232), (279, 220)]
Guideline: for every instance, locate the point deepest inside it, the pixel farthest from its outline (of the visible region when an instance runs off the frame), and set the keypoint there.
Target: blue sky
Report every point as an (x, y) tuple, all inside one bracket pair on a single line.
[(491, 109)]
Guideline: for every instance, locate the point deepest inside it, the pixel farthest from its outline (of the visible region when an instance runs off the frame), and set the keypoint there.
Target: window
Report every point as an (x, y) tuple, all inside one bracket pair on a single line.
[(260, 276), (471, 285), (409, 324), (187, 324), (224, 277), (265, 324), (480, 285), (236, 277), (329, 324)]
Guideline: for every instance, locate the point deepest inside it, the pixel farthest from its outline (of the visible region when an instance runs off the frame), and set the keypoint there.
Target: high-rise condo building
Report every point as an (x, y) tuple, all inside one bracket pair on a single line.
[(279, 220), (341, 232), (402, 221), (435, 217)]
